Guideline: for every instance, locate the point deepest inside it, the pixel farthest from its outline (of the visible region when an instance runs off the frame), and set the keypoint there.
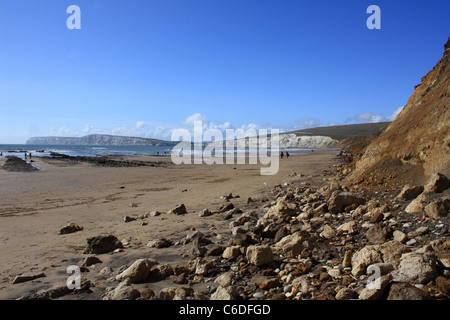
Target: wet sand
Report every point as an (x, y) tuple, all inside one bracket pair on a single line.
[(35, 205)]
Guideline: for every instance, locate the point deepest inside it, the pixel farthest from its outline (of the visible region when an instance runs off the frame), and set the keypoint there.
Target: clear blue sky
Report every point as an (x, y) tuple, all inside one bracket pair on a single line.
[(145, 67)]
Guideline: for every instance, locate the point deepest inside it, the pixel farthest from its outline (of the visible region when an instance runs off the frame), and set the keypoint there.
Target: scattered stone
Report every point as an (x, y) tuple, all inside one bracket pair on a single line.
[(378, 233), (124, 291), (375, 289), (416, 267), (229, 293), (443, 285), (345, 294), (178, 210), (205, 213), (231, 252), (161, 243), (437, 209), (225, 279), (266, 283), (128, 219), (400, 236), (259, 255), (405, 291), (410, 192), (102, 244), (70, 228), (25, 278), (438, 183), (139, 271), (340, 200), (418, 204), (155, 213), (89, 261)]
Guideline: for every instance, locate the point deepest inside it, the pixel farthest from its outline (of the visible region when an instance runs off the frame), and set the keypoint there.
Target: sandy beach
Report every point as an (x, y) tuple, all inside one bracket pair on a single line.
[(34, 206)]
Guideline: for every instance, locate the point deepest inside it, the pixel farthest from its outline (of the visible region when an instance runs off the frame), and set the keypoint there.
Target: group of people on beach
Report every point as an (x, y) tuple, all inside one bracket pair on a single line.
[(282, 155)]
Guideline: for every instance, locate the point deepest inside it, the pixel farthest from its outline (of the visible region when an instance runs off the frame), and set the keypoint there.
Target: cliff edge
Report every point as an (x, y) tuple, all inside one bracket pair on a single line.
[(417, 143)]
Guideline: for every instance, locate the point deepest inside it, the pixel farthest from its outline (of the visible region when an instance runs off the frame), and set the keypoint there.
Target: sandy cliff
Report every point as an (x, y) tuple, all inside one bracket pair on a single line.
[(417, 143)]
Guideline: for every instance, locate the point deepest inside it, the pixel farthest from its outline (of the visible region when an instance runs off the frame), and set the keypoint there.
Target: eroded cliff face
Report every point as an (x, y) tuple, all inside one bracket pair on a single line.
[(287, 140), (417, 143)]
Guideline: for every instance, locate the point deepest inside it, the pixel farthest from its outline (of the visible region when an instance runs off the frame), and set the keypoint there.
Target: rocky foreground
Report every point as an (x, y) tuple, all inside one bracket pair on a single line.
[(307, 243)]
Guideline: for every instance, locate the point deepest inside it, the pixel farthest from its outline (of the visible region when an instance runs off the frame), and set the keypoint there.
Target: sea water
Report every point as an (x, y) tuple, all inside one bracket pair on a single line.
[(19, 150)]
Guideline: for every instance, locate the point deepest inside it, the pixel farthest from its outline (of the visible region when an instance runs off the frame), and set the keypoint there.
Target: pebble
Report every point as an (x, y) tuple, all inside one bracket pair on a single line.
[(258, 295)]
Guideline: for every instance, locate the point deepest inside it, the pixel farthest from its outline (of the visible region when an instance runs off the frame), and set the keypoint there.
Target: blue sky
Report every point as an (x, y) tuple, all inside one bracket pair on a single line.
[(143, 68)]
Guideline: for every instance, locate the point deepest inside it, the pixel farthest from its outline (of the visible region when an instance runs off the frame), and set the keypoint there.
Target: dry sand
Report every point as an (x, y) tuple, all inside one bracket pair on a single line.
[(34, 206)]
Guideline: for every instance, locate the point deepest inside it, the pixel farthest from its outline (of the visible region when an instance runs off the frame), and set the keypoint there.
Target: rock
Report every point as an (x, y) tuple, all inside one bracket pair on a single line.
[(437, 209), (328, 232), (203, 267), (437, 183), (182, 293), (89, 261), (57, 292), (345, 294), (205, 213), (418, 204), (347, 227), (417, 267), (102, 244), (400, 236), (418, 232), (382, 267), (347, 261), (70, 228), (155, 213), (378, 233), (124, 291), (229, 293), (266, 282), (215, 250), (290, 246), (363, 258), (392, 251), (405, 291), (161, 243), (281, 209), (225, 279), (258, 295), (376, 289), (231, 252), (340, 200), (128, 219), (259, 255), (443, 285), (25, 278), (162, 271), (410, 192), (178, 210), (167, 293), (139, 271)]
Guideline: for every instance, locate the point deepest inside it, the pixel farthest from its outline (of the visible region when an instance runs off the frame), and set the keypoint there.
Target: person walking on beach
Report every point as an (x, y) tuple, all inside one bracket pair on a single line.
[(287, 154), (281, 154)]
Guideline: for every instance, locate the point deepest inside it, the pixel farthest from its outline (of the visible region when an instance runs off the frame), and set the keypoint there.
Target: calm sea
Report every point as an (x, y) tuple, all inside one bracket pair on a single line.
[(93, 151)]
